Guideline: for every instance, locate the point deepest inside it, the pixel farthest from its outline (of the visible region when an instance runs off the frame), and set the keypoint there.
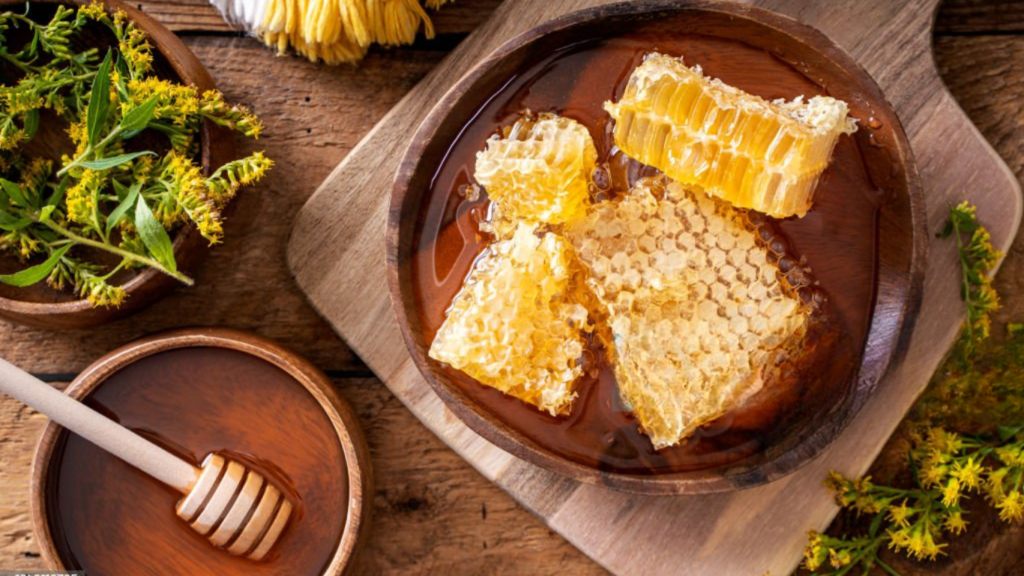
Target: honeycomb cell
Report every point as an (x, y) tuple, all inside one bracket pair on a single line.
[(677, 329), (537, 171), (517, 323), (755, 154)]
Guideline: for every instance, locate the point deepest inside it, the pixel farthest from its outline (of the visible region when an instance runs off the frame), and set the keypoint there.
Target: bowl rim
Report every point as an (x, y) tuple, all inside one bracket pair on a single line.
[(189, 70), (346, 425), (717, 479)]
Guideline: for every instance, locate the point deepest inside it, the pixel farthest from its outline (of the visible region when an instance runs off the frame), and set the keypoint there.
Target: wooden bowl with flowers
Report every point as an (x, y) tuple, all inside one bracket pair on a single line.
[(107, 204)]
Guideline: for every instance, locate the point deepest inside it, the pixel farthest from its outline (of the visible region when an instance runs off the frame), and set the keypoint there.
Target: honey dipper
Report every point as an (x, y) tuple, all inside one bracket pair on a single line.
[(224, 500)]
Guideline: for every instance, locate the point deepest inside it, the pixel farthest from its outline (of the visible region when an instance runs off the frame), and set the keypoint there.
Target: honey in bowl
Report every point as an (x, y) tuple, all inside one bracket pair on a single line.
[(836, 240), (105, 517)]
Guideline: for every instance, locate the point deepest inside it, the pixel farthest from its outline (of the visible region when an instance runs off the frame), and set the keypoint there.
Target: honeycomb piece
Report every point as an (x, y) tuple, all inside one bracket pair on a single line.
[(514, 325), (538, 171), (697, 314), (766, 156)]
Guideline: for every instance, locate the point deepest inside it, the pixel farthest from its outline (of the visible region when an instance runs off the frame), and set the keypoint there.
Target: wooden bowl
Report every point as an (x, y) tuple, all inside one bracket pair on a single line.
[(866, 240), (44, 307), (195, 392)]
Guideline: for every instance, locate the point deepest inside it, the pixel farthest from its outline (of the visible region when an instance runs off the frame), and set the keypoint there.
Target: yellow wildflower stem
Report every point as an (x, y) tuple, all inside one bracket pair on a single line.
[(117, 251), (89, 150)]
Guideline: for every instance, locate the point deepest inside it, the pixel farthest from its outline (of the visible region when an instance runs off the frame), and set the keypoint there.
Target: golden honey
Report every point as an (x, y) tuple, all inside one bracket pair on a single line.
[(537, 171), (514, 326), (836, 239), (755, 154), (698, 316)]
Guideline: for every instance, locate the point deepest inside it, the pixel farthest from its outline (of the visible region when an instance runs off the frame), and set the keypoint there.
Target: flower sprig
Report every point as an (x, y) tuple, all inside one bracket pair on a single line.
[(977, 259), (946, 468), (109, 194), (964, 437)]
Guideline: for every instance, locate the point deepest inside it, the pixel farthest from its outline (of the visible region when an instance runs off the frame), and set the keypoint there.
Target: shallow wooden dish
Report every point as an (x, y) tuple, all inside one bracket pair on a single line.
[(196, 391), (899, 250), (43, 307)]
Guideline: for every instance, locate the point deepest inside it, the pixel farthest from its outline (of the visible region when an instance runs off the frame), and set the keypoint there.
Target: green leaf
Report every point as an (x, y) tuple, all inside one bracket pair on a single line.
[(876, 523), (30, 276), (14, 193), (154, 236), (58, 193), (99, 102), (123, 75), (120, 189), (946, 231), (1007, 432), (105, 163), (44, 214), (122, 209), (31, 123), (138, 118), (9, 223)]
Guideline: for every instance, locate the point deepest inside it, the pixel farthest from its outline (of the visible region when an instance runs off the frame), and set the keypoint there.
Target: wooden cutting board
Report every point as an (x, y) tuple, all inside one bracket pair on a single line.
[(337, 256)]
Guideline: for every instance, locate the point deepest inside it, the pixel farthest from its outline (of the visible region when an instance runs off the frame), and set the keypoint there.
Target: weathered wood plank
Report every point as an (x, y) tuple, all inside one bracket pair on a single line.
[(762, 527), (463, 16), (429, 503), (980, 16), (986, 75)]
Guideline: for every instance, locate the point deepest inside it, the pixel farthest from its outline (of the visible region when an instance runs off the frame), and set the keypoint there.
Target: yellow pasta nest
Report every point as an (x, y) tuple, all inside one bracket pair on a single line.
[(538, 171), (766, 156), (697, 313), (514, 325)]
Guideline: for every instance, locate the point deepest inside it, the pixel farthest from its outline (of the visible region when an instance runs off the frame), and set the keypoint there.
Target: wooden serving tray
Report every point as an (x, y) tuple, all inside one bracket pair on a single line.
[(337, 255)]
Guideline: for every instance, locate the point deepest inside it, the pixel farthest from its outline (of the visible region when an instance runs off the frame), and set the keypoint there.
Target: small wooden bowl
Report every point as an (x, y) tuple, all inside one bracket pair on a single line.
[(714, 34), (195, 392), (43, 307)]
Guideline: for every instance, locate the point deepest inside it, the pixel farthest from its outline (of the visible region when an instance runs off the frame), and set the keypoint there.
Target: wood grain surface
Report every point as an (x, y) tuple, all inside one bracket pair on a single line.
[(206, 390), (895, 261), (335, 255), (433, 512)]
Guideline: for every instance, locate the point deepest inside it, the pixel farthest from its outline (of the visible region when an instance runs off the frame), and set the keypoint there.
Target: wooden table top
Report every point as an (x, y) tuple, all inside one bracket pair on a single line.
[(433, 513)]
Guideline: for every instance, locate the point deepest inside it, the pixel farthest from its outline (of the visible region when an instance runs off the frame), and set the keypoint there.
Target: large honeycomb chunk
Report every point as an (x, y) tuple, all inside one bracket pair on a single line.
[(697, 314), (766, 156), (538, 171), (514, 325)]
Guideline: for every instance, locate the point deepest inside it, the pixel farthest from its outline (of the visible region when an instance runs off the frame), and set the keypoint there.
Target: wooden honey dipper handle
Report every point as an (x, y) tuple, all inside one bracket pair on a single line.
[(98, 429), (234, 507)]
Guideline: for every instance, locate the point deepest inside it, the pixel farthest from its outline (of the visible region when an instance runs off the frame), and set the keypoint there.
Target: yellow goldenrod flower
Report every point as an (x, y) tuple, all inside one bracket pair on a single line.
[(81, 198), (79, 136), (899, 539), (58, 72), (93, 11), (235, 117), (1011, 456), (103, 295), (968, 473), (29, 247), (943, 441), (933, 475), (35, 175), (951, 493), (900, 514), (838, 558), (955, 523), (994, 484), (1011, 508), (815, 553)]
